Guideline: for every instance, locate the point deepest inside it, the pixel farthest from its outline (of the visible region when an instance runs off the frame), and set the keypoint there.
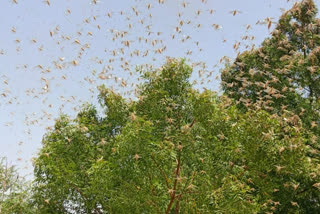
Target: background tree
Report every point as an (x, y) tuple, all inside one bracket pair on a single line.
[(284, 73), (15, 195), (175, 150)]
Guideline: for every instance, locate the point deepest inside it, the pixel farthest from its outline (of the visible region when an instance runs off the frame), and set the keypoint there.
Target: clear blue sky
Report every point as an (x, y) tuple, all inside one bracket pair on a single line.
[(27, 107)]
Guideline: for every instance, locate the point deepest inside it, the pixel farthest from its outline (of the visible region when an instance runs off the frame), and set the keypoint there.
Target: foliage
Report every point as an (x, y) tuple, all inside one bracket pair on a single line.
[(15, 196), (175, 150), (284, 73)]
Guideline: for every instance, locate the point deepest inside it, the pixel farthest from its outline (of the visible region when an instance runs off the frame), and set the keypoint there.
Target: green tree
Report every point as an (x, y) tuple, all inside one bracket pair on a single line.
[(15, 195), (284, 72), (175, 150)]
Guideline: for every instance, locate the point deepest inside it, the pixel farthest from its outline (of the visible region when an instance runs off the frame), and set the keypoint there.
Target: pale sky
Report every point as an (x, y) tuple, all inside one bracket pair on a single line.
[(40, 43)]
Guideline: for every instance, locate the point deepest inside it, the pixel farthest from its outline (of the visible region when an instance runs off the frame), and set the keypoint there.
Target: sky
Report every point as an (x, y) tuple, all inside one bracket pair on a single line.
[(54, 54)]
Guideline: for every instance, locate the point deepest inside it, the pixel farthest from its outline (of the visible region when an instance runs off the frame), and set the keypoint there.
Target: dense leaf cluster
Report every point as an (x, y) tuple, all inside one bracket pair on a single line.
[(284, 73)]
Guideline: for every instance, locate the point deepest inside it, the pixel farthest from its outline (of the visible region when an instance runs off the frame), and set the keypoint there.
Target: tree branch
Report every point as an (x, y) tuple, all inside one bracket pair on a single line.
[(175, 183)]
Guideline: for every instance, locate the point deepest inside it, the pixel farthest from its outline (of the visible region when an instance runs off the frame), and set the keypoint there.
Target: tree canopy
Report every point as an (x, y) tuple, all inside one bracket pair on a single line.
[(283, 73), (175, 150)]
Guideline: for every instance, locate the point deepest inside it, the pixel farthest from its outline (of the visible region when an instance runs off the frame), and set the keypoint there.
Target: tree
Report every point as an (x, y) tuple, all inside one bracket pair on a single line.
[(15, 195), (284, 73), (175, 150)]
